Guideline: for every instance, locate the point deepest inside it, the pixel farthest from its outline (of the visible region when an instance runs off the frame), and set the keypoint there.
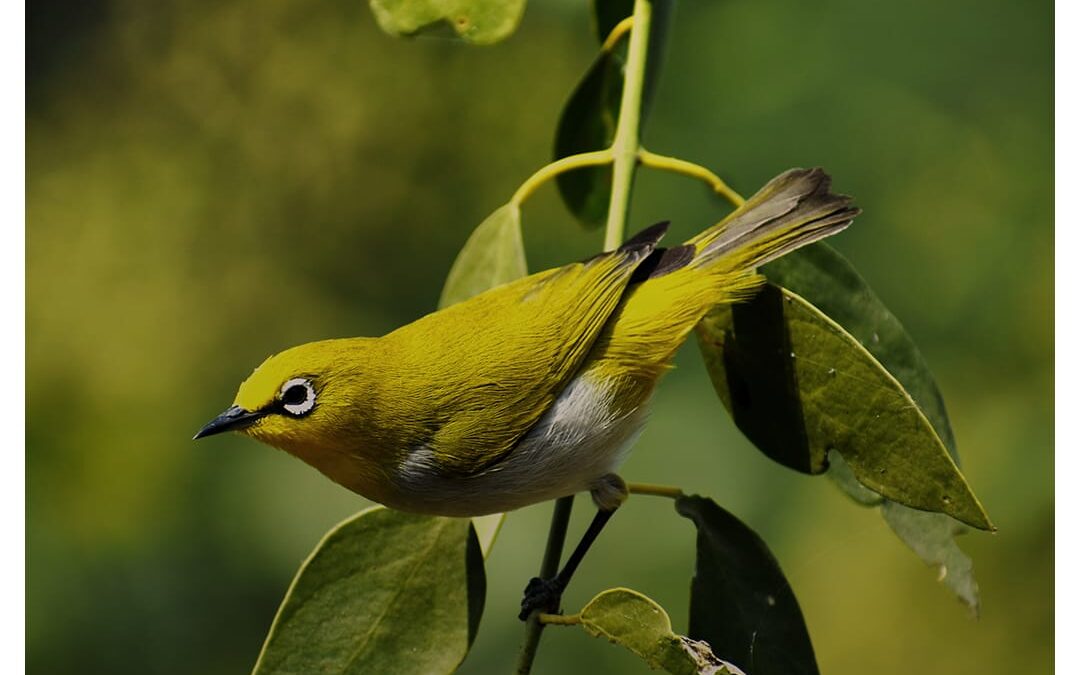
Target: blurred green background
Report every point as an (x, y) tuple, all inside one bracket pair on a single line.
[(209, 182)]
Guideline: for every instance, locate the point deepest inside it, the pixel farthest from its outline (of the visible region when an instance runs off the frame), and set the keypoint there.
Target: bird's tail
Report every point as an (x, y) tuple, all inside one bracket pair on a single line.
[(718, 266), (792, 210)]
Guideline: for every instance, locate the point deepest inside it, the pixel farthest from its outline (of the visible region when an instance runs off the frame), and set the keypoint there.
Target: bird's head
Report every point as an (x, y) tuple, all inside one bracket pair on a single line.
[(298, 398)]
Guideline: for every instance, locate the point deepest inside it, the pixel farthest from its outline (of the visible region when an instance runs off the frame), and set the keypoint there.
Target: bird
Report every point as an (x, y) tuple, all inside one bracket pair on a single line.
[(530, 391)]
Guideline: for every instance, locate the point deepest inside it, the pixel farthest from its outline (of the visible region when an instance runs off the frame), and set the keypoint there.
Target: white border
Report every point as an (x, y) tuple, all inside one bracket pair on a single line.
[(13, 340), (1066, 146)]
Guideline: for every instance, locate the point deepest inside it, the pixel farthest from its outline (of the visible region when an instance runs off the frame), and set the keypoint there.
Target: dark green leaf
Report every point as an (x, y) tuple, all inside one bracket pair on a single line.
[(476, 21), (588, 123), (632, 620), (609, 13), (590, 117), (740, 602), (799, 386), (494, 254), (383, 592)]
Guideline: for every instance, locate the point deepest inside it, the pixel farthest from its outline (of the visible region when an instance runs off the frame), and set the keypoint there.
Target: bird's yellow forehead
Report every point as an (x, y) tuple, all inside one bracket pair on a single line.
[(262, 386), (313, 360)]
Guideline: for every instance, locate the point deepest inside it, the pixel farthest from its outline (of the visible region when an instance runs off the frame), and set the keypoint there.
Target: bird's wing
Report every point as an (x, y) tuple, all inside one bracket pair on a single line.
[(479, 374)]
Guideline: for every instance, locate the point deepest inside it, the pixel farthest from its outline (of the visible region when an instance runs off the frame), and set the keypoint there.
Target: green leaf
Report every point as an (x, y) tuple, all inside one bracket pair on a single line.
[(487, 528), (494, 254), (609, 13), (477, 21), (831, 283), (631, 620), (932, 537), (588, 123), (740, 602), (383, 592), (799, 385), (844, 478), (590, 117)]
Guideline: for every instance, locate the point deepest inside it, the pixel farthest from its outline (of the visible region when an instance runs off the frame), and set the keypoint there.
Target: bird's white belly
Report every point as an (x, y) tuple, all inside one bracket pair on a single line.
[(577, 442)]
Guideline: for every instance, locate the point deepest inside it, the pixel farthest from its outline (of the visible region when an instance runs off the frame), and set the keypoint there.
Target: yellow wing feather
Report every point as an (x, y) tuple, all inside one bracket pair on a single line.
[(520, 344)]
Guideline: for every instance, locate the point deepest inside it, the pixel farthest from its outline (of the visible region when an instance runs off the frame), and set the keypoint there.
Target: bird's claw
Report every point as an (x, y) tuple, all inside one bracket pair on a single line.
[(542, 595)]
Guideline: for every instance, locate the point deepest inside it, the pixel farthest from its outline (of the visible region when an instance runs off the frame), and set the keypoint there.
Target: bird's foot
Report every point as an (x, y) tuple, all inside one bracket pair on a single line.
[(542, 595)]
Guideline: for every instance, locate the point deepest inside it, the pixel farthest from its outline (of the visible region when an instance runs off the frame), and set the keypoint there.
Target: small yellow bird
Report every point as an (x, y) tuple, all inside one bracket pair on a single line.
[(533, 390)]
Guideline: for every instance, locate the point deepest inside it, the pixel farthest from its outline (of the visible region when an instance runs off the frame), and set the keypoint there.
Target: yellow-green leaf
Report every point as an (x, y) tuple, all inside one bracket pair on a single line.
[(476, 21), (383, 592), (487, 528), (632, 620), (796, 381), (494, 254), (829, 282)]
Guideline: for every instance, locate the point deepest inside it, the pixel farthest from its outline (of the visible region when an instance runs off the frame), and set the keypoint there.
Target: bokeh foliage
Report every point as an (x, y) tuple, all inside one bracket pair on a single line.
[(210, 182)]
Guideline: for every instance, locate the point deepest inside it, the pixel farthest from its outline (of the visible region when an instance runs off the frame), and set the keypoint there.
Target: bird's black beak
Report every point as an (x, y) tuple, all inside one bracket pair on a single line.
[(233, 418)]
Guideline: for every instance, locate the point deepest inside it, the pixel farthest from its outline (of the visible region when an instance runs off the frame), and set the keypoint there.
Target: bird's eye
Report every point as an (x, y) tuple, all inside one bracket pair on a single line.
[(297, 396)]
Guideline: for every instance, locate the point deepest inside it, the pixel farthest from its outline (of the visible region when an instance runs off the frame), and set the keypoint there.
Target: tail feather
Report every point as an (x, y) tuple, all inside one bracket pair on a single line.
[(792, 210), (716, 267)]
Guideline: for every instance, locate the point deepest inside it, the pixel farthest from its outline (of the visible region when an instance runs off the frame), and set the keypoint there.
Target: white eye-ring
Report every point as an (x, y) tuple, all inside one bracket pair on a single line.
[(297, 396)]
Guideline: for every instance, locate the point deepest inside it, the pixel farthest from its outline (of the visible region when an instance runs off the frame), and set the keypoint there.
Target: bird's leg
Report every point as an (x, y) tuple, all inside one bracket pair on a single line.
[(544, 594)]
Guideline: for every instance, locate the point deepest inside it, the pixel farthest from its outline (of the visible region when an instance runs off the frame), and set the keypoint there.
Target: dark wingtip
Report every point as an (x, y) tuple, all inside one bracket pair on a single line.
[(647, 239), (663, 261)]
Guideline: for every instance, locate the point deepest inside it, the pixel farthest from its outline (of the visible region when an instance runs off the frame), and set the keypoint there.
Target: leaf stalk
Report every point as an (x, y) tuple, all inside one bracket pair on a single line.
[(546, 173), (681, 166)]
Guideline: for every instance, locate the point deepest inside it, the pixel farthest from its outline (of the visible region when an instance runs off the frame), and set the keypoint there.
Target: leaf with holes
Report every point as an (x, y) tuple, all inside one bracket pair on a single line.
[(740, 602), (478, 21), (631, 620), (383, 592)]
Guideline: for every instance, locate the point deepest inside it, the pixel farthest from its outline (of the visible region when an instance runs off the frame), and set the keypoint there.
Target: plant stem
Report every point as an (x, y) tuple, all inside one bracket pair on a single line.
[(533, 182), (625, 146), (675, 165), (654, 490), (560, 619), (560, 521), (624, 157)]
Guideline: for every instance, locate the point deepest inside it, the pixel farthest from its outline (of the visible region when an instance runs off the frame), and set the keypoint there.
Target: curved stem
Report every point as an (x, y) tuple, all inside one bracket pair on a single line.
[(675, 165), (533, 182), (625, 146), (617, 33)]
